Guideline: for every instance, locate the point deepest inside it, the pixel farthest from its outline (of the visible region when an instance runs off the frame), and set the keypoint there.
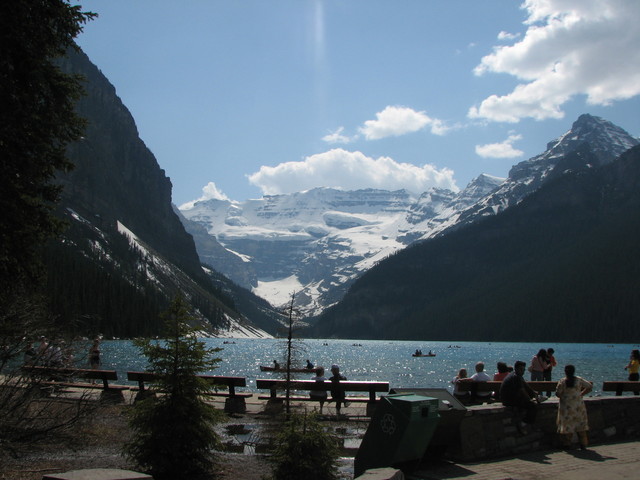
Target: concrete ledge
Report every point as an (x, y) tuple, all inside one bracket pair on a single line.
[(381, 474), (489, 431), (98, 474)]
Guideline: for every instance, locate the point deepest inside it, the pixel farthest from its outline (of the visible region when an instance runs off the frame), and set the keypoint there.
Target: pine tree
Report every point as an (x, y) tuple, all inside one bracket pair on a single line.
[(305, 451), (173, 432)]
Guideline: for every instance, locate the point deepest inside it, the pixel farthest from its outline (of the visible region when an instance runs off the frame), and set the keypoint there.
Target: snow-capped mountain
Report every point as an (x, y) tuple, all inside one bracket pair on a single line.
[(601, 137), (314, 243)]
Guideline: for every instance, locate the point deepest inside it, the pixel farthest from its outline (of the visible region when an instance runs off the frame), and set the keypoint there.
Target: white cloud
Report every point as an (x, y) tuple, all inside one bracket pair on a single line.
[(338, 137), (571, 47), (209, 192), (507, 36), (500, 150), (394, 121), (339, 168)]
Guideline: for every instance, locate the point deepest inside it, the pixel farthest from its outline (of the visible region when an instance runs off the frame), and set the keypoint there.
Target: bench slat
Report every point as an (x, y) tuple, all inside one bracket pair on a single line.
[(231, 382), (104, 375), (621, 386), (312, 385)]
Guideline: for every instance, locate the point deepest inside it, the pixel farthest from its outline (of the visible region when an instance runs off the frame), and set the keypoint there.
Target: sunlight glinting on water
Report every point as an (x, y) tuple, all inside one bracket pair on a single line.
[(391, 361)]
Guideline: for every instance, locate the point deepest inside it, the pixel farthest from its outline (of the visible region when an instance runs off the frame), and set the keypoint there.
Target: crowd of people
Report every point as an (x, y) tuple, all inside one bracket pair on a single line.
[(515, 392)]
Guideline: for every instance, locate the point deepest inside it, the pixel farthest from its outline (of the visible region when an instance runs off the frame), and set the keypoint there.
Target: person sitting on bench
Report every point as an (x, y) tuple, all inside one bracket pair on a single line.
[(514, 392)]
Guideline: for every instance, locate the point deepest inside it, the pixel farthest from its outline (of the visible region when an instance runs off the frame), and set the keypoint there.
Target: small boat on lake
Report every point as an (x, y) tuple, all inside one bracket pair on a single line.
[(418, 353)]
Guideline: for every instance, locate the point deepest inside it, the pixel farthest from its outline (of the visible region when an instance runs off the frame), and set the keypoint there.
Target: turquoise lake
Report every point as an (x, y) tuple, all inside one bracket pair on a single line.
[(391, 361)]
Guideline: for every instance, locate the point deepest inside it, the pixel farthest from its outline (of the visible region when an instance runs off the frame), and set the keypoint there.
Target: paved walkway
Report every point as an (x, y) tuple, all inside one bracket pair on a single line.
[(600, 462)]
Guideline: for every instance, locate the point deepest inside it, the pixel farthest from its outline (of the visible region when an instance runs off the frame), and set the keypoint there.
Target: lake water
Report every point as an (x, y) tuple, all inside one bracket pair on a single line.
[(391, 361)]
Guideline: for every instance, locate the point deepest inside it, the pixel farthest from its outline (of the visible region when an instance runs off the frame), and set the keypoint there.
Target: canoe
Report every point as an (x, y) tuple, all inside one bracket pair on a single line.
[(423, 354)]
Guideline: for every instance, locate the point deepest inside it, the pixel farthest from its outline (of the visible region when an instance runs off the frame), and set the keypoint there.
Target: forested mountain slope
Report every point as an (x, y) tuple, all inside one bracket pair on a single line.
[(563, 265), (126, 253)]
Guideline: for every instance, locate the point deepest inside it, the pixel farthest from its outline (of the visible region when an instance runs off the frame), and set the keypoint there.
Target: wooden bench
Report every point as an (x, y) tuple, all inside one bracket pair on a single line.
[(235, 402), (474, 387), (622, 386), (370, 387), (65, 377)]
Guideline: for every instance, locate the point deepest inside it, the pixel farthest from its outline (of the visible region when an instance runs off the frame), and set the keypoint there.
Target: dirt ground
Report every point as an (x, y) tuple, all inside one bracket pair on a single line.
[(97, 442)]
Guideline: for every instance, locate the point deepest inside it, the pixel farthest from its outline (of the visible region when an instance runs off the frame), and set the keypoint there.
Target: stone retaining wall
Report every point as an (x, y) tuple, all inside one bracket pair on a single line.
[(489, 431)]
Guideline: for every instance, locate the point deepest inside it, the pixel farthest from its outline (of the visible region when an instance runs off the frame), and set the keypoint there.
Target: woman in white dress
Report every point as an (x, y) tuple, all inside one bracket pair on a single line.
[(572, 412)]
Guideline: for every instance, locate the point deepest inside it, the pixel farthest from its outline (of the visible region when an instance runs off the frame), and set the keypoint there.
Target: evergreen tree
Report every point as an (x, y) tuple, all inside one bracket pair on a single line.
[(37, 122), (173, 432), (304, 450)]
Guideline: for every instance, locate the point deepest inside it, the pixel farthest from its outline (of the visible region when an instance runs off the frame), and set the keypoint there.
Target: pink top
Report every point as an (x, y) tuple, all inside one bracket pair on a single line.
[(538, 365)]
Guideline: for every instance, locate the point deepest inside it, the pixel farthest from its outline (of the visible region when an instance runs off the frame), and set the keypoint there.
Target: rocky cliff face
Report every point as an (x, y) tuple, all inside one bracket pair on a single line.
[(116, 176), (117, 195)]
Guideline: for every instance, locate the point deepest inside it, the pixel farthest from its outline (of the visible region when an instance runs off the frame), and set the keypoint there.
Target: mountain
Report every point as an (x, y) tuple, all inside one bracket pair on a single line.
[(605, 140), (126, 253), (562, 265), (314, 243)]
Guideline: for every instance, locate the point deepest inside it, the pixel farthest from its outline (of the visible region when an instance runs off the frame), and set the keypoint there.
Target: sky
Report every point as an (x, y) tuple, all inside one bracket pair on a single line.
[(243, 98)]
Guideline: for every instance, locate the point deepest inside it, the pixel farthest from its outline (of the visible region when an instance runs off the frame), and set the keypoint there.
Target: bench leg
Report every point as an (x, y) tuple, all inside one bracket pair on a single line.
[(371, 408), (235, 405), (144, 394), (274, 406), (111, 395)]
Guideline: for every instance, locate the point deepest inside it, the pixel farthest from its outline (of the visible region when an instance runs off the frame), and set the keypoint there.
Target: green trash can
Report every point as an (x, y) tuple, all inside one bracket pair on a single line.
[(400, 431)]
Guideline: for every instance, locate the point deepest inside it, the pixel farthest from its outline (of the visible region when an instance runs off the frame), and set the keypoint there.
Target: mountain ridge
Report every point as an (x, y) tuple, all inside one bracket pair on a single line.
[(318, 241), (125, 252), (562, 265)]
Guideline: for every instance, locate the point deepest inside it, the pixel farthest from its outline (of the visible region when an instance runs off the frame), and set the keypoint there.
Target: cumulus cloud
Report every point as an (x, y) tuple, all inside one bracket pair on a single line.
[(571, 47), (209, 192), (500, 150), (394, 121), (339, 168), (507, 36), (338, 137)]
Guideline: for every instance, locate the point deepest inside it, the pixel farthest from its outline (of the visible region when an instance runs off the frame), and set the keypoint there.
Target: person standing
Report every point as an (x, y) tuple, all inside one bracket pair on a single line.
[(539, 364), (337, 394), (572, 412), (546, 375), (94, 355), (633, 367)]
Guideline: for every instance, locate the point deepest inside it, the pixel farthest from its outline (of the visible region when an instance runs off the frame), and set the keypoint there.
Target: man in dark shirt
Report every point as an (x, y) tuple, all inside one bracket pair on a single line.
[(514, 392)]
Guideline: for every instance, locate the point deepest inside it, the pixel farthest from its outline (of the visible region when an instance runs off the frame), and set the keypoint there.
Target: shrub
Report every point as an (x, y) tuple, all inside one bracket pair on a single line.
[(305, 450)]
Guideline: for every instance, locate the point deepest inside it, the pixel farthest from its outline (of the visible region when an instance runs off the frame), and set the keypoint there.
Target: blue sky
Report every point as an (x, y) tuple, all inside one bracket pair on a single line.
[(241, 98)]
